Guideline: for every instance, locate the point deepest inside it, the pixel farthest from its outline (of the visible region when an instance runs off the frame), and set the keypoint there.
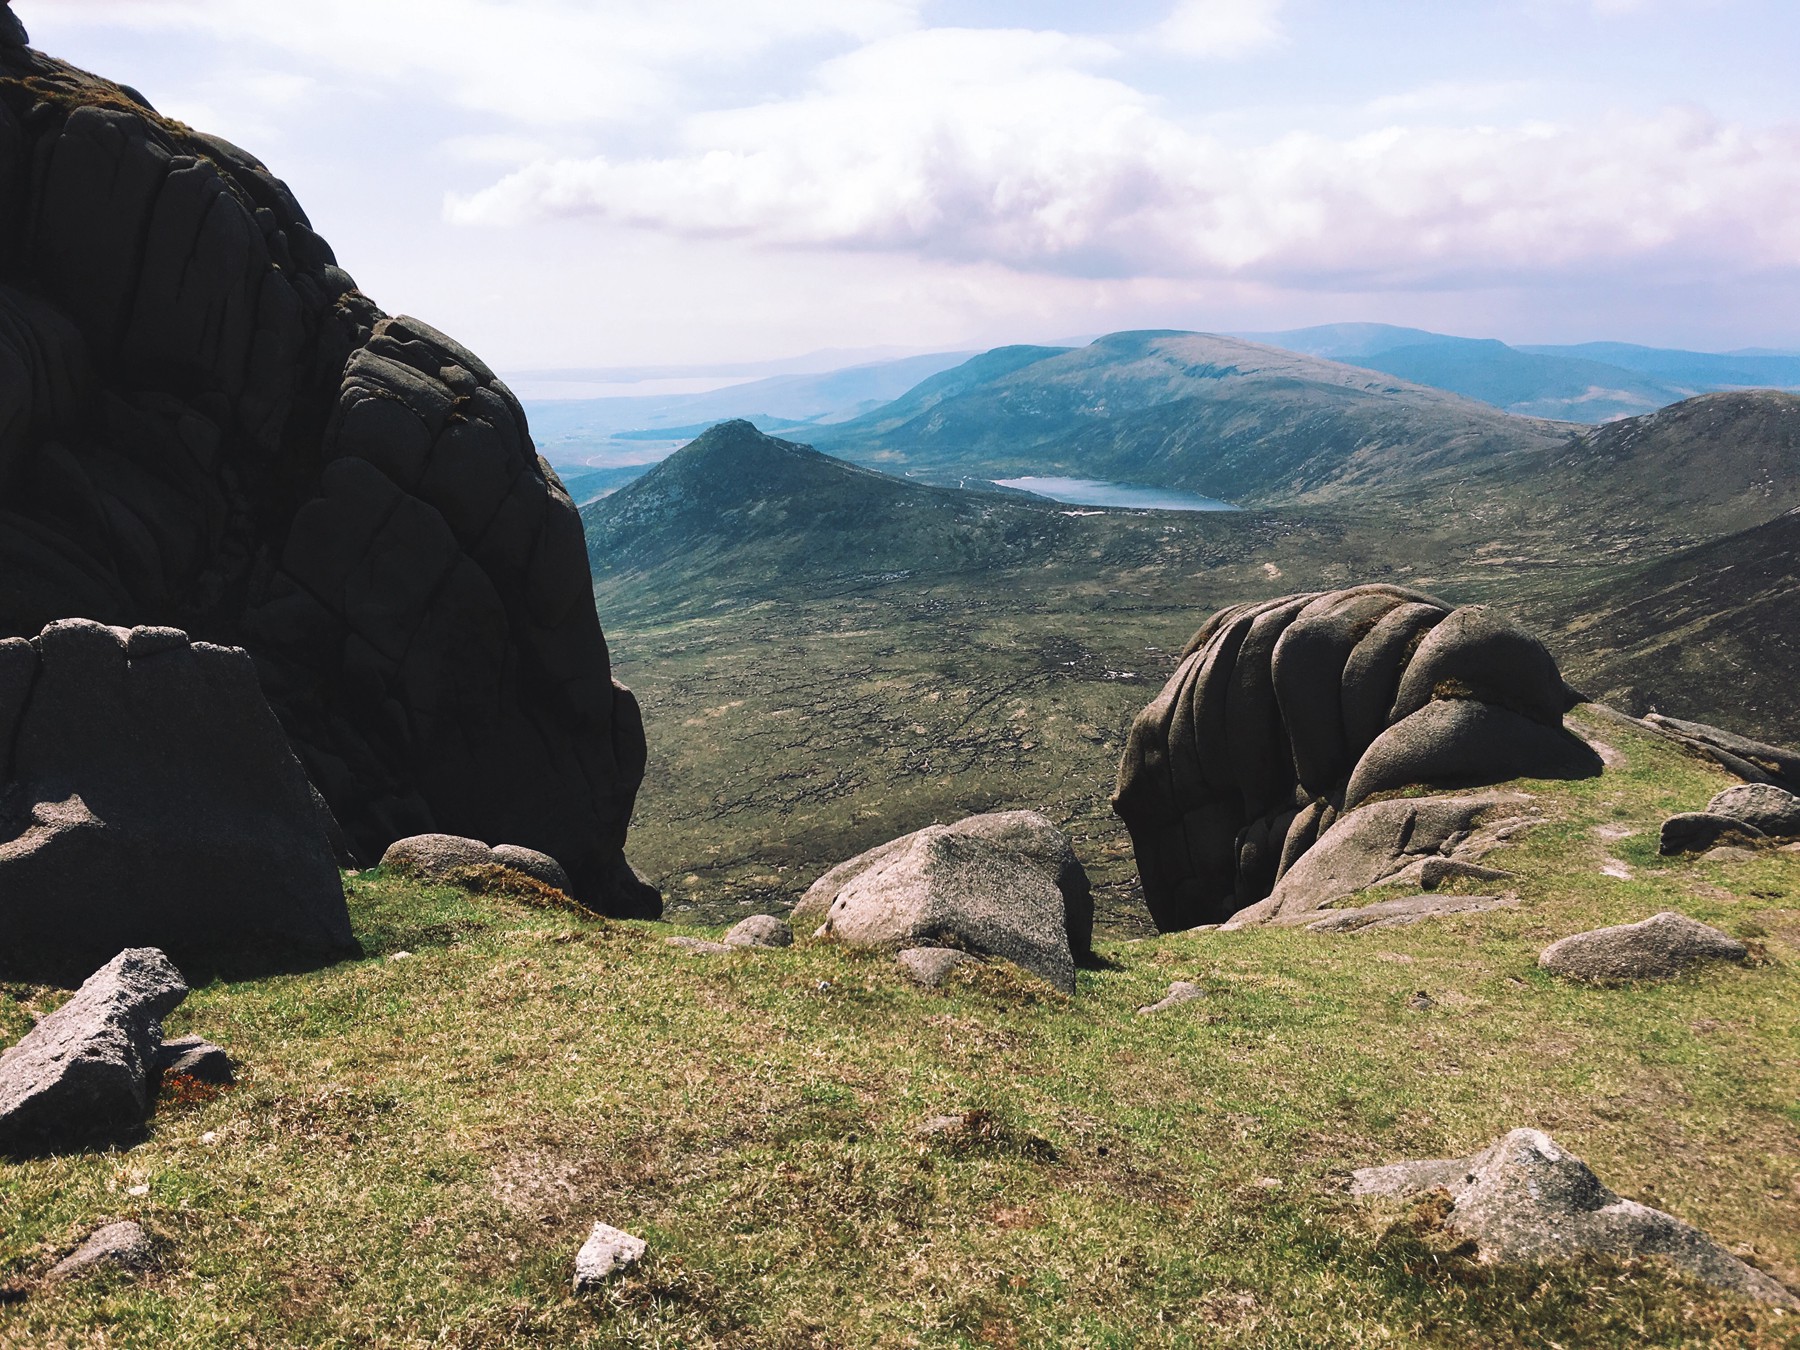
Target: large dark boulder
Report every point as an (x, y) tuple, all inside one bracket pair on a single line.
[(148, 798), (205, 425), (1284, 715)]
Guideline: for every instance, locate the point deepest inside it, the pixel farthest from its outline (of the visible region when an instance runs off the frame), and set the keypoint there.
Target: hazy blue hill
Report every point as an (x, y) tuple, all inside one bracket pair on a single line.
[(574, 430), (1697, 370), (1586, 382), (1213, 415)]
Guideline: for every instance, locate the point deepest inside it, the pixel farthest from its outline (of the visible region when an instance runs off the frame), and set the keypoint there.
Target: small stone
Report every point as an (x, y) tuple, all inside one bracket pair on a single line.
[(1660, 946), (399, 956), (210, 1137), (139, 1191), (929, 967), (198, 1059), (607, 1251), (1269, 1183), (760, 930), (698, 946), (1698, 831), (1421, 1002), (118, 1246), (1181, 991)]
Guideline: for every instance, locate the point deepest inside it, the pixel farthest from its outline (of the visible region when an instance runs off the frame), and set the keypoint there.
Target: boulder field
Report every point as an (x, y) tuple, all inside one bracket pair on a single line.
[(206, 426)]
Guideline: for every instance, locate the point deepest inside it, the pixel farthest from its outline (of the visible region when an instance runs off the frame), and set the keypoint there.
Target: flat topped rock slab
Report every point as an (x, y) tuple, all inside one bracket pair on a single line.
[(1388, 843), (1405, 911), (84, 1074), (1526, 1199), (1656, 948), (606, 1252), (759, 930), (123, 1246)]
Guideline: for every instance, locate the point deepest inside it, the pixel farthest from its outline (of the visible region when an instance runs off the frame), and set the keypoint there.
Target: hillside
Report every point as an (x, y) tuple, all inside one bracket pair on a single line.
[(1212, 415), (1714, 629), (421, 1138)]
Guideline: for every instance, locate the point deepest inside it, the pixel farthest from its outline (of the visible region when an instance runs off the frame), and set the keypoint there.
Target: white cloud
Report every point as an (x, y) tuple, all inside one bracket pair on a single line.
[(544, 62), (1011, 148), (1222, 28)]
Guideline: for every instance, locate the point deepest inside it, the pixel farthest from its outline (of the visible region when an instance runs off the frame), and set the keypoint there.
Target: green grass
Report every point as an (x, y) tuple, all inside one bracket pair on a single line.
[(418, 1145)]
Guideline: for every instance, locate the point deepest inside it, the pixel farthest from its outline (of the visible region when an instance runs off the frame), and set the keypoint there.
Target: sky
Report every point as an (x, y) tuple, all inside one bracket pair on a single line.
[(691, 183)]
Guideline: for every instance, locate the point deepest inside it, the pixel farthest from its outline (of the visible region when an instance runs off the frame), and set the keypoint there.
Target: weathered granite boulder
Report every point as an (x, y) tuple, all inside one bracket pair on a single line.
[(1525, 1199), (205, 424), (947, 886), (1699, 831), (450, 859), (1658, 947), (1386, 843), (123, 1247), (1029, 835), (85, 1075), (1286, 713), (759, 930), (148, 797), (1771, 810)]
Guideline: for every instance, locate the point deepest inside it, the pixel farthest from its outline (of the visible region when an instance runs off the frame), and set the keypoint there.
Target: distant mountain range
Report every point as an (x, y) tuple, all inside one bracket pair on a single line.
[(1220, 416), (1588, 382)]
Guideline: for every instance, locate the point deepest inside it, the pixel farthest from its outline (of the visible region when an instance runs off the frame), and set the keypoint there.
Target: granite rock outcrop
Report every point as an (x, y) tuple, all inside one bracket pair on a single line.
[(1285, 714), (205, 425)]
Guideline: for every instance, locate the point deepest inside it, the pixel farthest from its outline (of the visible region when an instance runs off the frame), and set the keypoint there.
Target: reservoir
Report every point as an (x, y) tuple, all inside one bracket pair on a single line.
[(1092, 492)]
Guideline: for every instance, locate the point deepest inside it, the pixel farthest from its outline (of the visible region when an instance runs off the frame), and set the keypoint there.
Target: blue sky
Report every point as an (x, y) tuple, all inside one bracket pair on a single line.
[(591, 182)]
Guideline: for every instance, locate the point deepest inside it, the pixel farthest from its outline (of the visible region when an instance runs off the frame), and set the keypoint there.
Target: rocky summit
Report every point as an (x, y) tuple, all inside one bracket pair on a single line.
[(205, 425)]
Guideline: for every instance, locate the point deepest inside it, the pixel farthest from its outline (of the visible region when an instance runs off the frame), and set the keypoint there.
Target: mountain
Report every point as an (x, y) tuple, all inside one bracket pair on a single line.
[(1700, 469), (756, 512), (1214, 415), (1588, 382), (1675, 635), (206, 425)]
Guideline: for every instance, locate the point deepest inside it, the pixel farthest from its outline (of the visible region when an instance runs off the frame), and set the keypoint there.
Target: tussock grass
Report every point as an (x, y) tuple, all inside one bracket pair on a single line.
[(418, 1144)]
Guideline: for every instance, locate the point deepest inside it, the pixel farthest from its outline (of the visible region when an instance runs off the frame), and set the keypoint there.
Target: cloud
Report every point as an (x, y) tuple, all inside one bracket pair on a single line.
[(540, 62), (1014, 148), (1221, 28)]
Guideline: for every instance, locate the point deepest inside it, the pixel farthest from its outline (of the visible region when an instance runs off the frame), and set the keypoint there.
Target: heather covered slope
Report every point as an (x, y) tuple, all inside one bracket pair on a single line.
[(204, 424)]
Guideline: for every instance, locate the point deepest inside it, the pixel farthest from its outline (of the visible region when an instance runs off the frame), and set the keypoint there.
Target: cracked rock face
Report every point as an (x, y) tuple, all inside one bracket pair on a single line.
[(1526, 1199), (205, 425), (148, 798), (1286, 714)]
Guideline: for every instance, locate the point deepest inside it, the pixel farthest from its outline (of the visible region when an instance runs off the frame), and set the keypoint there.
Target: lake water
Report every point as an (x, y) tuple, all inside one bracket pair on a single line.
[(1092, 492)]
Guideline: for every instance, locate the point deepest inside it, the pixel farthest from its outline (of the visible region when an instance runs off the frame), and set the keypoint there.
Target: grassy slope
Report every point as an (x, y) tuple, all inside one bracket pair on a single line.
[(418, 1146)]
